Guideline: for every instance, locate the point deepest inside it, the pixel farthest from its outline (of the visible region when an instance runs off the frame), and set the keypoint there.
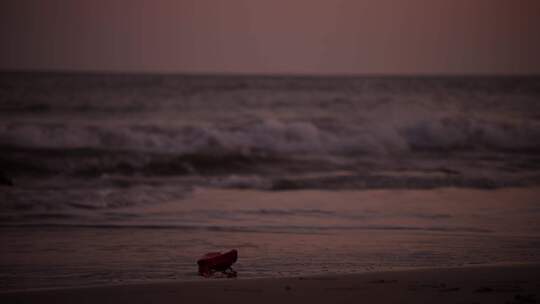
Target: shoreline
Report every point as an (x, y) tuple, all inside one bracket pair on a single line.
[(479, 283), (198, 279)]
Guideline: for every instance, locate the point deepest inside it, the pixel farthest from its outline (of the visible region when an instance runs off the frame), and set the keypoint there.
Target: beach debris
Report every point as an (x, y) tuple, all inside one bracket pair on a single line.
[(213, 262)]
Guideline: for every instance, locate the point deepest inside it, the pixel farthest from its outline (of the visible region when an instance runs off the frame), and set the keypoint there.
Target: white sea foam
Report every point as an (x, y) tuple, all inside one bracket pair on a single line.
[(376, 135)]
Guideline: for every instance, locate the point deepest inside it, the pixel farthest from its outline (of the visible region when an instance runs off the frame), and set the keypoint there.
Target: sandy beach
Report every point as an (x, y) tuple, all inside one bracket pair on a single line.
[(477, 284)]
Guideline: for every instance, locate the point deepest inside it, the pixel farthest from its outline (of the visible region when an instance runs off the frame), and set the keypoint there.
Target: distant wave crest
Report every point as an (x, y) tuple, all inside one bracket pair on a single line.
[(274, 137)]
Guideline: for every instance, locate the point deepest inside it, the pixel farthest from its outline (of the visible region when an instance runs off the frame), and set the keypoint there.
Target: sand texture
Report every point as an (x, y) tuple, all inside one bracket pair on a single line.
[(482, 284)]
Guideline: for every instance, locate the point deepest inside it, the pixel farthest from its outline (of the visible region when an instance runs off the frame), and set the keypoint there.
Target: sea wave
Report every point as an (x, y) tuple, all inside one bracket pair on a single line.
[(58, 195), (260, 228), (279, 137)]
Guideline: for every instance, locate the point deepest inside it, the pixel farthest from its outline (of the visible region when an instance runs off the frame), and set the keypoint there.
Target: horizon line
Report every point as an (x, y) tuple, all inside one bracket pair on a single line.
[(260, 74)]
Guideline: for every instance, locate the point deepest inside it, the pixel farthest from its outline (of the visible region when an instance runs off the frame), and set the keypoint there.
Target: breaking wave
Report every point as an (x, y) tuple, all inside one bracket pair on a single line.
[(269, 133), (275, 137)]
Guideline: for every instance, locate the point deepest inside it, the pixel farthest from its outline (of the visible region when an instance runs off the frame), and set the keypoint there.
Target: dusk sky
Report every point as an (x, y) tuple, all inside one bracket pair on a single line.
[(273, 37)]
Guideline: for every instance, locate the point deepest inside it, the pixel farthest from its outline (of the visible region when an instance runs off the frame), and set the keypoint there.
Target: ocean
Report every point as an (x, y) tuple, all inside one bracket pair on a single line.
[(121, 178)]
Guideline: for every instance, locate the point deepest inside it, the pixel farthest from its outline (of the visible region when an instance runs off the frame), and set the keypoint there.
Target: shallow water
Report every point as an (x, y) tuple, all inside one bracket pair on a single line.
[(277, 234)]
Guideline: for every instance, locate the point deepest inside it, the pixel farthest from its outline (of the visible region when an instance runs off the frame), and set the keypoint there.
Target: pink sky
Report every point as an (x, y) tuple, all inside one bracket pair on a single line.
[(273, 36)]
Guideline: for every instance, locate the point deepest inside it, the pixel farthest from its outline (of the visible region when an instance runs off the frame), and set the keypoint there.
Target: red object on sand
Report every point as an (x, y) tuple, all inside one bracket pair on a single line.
[(217, 261)]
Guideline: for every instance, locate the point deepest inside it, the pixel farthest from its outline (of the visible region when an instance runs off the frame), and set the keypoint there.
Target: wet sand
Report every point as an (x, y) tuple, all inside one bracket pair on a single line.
[(478, 284)]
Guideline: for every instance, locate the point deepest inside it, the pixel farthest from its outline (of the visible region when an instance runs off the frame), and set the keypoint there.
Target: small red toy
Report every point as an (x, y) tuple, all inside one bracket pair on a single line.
[(216, 261)]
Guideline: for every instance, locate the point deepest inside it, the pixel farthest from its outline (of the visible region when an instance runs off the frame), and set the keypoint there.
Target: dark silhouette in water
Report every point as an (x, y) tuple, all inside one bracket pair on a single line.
[(4, 180)]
